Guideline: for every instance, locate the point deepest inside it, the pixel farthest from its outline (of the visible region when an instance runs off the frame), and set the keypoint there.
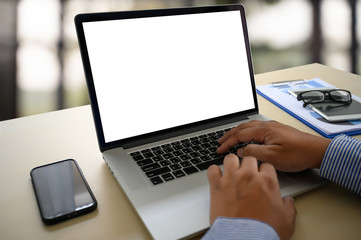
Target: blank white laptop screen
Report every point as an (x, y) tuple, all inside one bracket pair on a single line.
[(156, 73)]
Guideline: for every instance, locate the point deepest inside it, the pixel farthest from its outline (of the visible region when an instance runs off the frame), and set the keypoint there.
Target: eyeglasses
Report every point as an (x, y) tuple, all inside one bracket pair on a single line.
[(318, 96)]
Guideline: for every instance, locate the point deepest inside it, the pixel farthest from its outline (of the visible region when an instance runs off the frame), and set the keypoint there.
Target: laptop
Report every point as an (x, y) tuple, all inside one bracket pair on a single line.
[(164, 85)]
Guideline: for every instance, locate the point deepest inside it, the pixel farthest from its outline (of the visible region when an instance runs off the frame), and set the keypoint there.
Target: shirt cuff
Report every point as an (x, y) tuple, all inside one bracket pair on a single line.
[(342, 163), (240, 228)]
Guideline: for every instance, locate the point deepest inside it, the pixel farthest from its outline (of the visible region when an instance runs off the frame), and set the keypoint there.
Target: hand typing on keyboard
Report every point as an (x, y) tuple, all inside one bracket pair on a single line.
[(287, 148), (248, 191)]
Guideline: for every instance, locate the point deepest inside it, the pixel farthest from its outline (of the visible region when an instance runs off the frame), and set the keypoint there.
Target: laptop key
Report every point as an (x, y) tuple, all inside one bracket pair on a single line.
[(158, 158), (187, 144), (195, 154), (190, 170), (148, 154), (205, 165), (215, 155), (197, 148), (205, 158), (138, 157), (145, 151), (186, 164), (175, 143), (214, 137), (206, 145), (178, 147), (196, 142), (165, 163), (187, 150), (178, 173), (158, 152), (175, 160), (177, 153), (213, 149), (175, 166), (157, 172), (196, 160), (155, 148), (184, 157), (156, 180), (204, 152), (205, 140), (134, 153), (145, 162), (167, 177), (168, 155), (150, 167), (168, 149), (220, 132)]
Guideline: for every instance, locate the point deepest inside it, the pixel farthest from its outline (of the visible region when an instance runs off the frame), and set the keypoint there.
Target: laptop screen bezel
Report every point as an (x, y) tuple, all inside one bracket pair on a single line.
[(105, 16)]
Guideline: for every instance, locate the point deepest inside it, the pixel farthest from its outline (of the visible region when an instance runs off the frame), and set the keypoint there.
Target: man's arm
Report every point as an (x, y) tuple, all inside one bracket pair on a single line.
[(342, 163), (240, 228)]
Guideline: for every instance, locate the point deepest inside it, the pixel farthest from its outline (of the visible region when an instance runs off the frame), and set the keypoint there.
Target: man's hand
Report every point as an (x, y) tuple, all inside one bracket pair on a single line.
[(249, 192), (285, 147)]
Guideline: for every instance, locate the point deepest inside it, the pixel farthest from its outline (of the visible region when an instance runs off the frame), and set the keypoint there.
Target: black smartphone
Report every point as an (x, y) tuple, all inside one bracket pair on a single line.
[(61, 191)]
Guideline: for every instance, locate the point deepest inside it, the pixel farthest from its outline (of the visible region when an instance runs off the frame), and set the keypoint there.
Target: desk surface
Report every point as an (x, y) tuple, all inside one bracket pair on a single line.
[(328, 212)]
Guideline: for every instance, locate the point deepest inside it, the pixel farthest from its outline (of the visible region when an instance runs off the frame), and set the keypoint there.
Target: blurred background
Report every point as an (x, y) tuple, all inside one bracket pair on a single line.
[(40, 64)]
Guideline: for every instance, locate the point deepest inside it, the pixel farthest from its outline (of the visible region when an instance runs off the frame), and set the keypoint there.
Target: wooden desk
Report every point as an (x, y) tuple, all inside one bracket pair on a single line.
[(328, 212)]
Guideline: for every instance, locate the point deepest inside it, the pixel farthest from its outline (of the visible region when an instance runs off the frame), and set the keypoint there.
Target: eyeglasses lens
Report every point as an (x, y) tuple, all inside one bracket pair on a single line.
[(340, 96), (313, 96)]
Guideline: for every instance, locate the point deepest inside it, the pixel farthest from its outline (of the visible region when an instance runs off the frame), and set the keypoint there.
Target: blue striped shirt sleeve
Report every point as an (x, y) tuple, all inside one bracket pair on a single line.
[(342, 163), (240, 228)]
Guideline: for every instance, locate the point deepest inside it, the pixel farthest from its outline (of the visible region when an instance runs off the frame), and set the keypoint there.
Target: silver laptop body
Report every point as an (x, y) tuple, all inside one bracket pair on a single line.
[(157, 77)]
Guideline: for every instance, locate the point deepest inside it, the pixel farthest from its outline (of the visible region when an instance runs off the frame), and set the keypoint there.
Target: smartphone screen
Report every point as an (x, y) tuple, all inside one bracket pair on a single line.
[(61, 191)]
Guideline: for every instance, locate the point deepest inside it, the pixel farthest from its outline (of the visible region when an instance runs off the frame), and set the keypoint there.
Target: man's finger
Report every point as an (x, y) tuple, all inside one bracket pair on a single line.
[(268, 169), (249, 164), (246, 135), (214, 174), (259, 151), (230, 164), (290, 209)]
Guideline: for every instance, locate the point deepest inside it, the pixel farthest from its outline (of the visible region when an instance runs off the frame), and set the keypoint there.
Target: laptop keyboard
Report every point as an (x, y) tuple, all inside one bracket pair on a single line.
[(180, 158)]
